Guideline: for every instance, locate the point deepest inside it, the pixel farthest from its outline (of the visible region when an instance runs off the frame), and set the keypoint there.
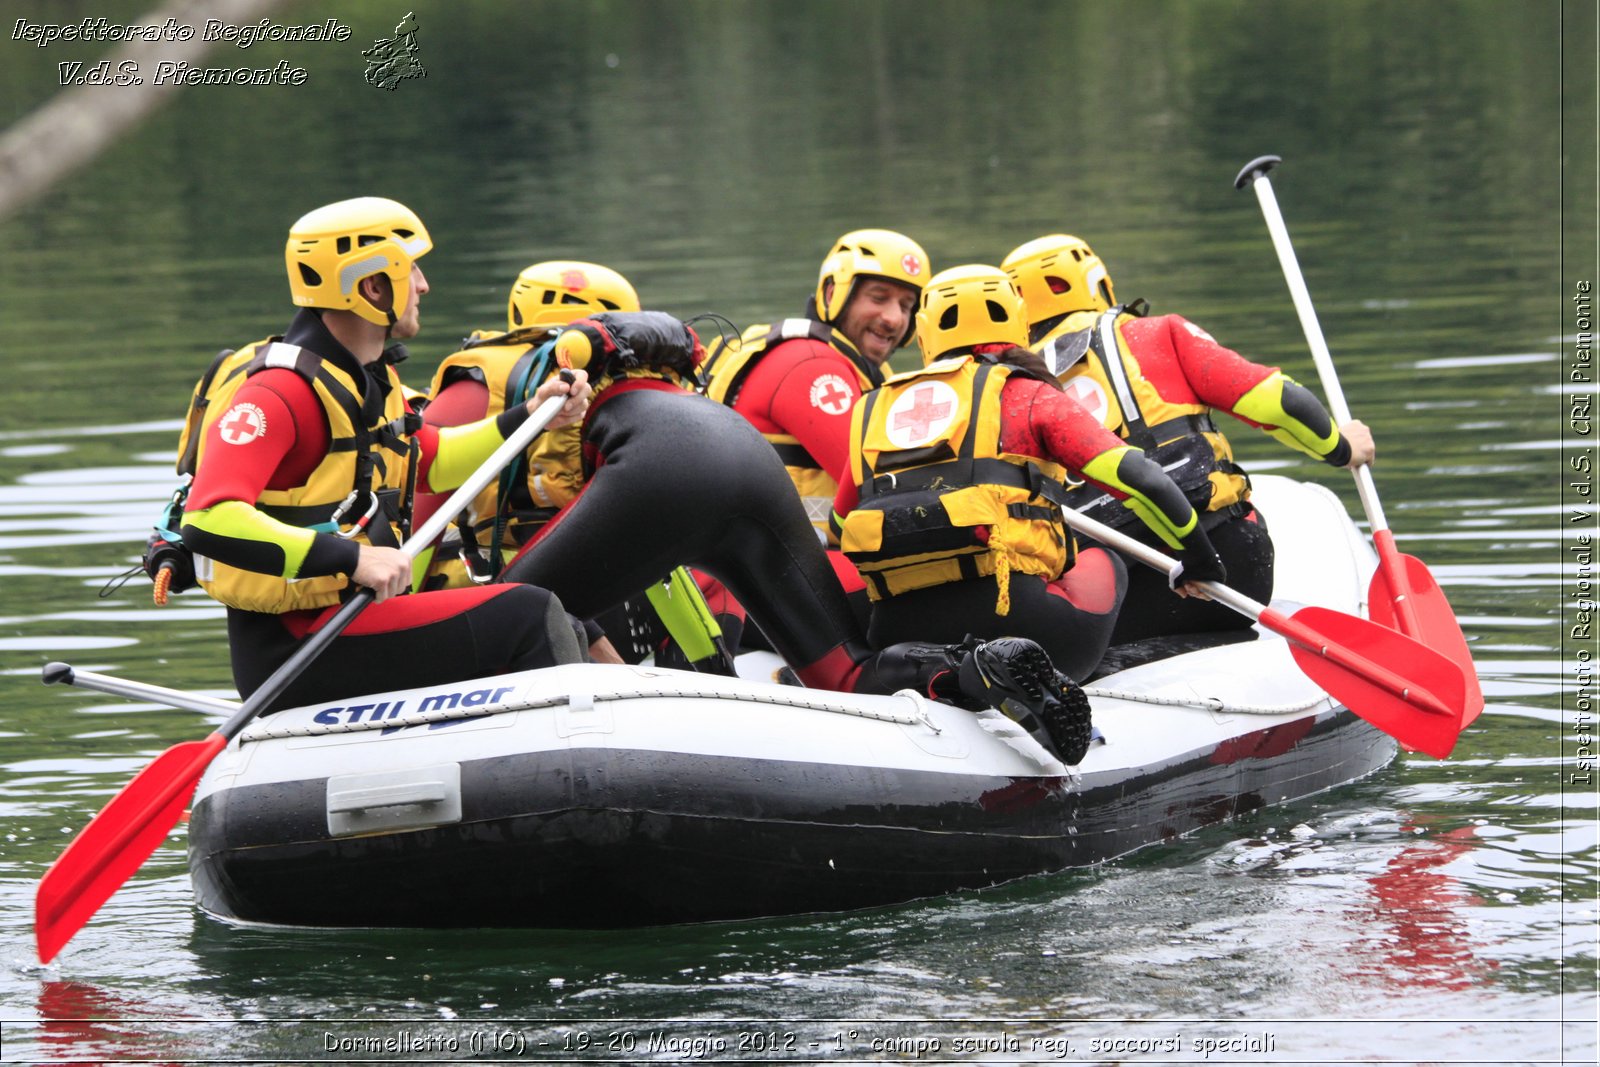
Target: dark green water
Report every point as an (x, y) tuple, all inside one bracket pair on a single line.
[(1439, 187)]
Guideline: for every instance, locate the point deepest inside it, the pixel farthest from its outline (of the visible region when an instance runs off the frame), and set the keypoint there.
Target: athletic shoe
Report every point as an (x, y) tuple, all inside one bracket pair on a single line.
[(1015, 675), (1069, 721)]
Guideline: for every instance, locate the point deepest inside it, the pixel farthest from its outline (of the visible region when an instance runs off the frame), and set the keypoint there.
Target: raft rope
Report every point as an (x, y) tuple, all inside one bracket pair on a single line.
[(267, 729), (1216, 704)]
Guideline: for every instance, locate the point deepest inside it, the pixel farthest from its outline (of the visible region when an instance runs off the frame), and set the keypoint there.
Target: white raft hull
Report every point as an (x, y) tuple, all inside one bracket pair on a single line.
[(594, 796)]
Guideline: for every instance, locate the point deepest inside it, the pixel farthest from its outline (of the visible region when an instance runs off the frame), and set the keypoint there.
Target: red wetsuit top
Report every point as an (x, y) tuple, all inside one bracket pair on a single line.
[(1186, 365), (803, 388), (293, 442), (806, 389)]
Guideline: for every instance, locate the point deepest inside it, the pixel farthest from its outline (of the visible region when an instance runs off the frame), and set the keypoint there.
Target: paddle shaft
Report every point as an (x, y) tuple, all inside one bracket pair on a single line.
[(62, 674), (114, 844), (1255, 173), (1304, 636)]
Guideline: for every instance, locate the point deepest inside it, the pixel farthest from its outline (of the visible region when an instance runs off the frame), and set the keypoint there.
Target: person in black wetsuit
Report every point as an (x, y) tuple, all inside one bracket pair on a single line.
[(672, 477)]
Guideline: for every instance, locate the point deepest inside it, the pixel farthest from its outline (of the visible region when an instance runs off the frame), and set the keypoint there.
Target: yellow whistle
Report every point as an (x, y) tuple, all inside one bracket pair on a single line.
[(573, 350)]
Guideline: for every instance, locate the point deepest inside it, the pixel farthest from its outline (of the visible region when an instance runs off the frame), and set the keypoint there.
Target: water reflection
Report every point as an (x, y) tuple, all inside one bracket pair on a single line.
[(712, 162), (1423, 934)]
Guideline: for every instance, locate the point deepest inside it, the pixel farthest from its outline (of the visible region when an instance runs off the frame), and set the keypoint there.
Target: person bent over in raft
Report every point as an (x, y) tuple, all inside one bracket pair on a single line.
[(1154, 381), (307, 454), (673, 478), (950, 508)]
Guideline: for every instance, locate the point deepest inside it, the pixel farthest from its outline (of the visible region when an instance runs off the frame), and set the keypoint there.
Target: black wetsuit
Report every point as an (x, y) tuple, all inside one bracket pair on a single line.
[(1151, 610), (676, 478)]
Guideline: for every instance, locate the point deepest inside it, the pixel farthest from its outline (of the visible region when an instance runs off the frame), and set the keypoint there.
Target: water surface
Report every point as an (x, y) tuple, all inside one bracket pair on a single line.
[(711, 152)]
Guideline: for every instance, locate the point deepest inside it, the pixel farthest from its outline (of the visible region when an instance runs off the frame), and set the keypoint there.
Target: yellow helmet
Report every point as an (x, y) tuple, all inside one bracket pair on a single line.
[(558, 291), (869, 254), (1057, 275), (966, 306), (331, 249)]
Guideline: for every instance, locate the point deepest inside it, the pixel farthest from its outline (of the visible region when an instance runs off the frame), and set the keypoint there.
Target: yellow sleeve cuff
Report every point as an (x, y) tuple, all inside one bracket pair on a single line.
[(462, 450), (1105, 469), (239, 521), (1263, 406)]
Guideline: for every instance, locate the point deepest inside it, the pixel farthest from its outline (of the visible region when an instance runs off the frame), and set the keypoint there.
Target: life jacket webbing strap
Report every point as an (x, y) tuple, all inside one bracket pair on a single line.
[(202, 400), (1181, 426), (866, 479), (1105, 344)]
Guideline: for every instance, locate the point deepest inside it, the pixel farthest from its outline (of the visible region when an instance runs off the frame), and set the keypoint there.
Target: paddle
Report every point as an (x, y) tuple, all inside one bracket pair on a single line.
[(1404, 689), (63, 674), (121, 837), (1403, 595)]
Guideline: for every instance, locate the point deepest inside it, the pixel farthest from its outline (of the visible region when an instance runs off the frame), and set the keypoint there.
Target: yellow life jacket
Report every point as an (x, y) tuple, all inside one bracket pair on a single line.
[(509, 511), (360, 490), (939, 502), (1100, 371), (729, 364)]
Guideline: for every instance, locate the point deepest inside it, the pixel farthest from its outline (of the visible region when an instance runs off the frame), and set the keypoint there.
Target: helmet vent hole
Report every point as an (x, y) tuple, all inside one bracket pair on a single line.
[(948, 320), (869, 253), (549, 297), (309, 276), (368, 239), (1058, 285), (569, 298), (343, 245), (997, 313), (404, 235), (610, 305), (1077, 256), (516, 315)]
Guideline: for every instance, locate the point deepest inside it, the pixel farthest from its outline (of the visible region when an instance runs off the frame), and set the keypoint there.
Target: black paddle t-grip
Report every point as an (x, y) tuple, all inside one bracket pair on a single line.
[(56, 673), (1255, 169)]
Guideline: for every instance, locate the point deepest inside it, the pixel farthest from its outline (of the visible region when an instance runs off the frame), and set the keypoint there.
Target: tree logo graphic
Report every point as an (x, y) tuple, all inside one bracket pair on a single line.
[(391, 60)]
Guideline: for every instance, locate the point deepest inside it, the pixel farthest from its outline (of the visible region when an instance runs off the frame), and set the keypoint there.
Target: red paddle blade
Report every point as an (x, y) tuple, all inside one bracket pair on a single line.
[(116, 842), (1405, 597), (1405, 689)]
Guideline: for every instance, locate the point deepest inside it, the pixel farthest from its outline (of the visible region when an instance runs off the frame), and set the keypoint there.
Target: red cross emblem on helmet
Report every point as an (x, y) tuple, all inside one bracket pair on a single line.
[(574, 280), (911, 263)]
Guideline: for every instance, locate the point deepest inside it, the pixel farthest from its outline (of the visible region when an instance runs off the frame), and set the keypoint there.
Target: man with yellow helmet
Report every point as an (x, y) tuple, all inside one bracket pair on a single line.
[(797, 380), (1154, 381), (305, 454), (674, 479), (951, 509)]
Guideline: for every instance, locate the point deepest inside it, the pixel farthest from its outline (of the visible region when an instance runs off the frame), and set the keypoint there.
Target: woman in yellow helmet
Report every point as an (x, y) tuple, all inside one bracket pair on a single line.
[(951, 508), (495, 370), (1154, 381)]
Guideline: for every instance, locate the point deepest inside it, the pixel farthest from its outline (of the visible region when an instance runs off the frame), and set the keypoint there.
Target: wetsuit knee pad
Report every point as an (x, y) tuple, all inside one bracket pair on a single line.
[(550, 634), (1095, 584)]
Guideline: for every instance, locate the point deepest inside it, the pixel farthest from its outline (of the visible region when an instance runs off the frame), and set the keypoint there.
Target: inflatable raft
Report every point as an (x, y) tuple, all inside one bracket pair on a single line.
[(610, 796)]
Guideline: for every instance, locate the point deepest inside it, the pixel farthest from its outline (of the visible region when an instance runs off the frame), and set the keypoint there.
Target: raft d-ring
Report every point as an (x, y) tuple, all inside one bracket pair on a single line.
[(922, 715)]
